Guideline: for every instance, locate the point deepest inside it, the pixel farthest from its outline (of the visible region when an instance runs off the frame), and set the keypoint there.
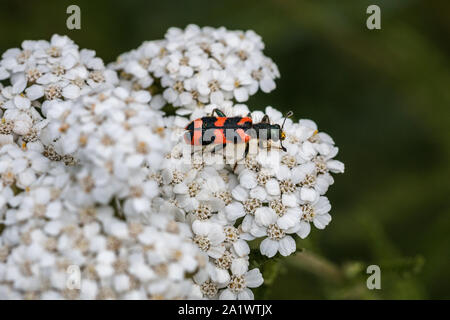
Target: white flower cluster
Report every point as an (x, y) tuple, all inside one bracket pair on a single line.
[(81, 192), (272, 195), (96, 182), (40, 72), (118, 141), (46, 235), (198, 66)]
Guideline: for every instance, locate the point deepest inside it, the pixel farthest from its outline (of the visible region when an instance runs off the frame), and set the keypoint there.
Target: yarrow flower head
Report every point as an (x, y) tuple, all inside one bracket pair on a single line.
[(198, 66), (118, 141), (54, 69), (43, 71), (270, 194), (96, 177), (116, 259)]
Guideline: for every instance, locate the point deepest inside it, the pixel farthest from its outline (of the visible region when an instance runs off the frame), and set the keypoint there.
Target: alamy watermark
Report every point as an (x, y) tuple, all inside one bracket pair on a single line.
[(374, 20), (74, 20), (228, 146), (73, 280), (374, 280)]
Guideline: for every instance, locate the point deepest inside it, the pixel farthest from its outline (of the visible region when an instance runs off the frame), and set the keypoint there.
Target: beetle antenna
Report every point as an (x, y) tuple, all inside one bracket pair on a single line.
[(288, 115)]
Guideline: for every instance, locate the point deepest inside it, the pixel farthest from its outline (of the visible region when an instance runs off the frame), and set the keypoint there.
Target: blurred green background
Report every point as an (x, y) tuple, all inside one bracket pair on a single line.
[(383, 95)]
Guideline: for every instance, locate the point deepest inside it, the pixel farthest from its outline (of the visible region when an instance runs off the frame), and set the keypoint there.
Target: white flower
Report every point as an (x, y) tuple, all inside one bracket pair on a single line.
[(209, 237), (238, 240), (317, 213), (240, 282), (265, 223)]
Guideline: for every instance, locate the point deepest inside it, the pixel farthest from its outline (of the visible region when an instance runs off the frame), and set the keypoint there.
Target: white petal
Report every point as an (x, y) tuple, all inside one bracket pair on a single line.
[(170, 95), (269, 247), (53, 210), (35, 92), (258, 231), (27, 177), (265, 216), (121, 282), (6, 139), (287, 246), (180, 188), (283, 173), (227, 295), (239, 193), (241, 94), (289, 219), (142, 96), (185, 98), (241, 247), (234, 211), (258, 193), (246, 294), (22, 102), (19, 85), (71, 92), (220, 276), (323, 181), (200, 227), (3, 73), (253, 278), (335, 166), (308, 194), (321, 220), (68, 62), (216, 97), (304, 230), (322, 206), (21, 127), (239, 266), (272, 187), (267, 84), (247, 179), (247, 223), (289, 200), (216, 252), (216, 234)]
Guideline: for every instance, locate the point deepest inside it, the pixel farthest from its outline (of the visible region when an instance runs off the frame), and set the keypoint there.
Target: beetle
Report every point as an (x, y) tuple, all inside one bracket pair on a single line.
[(223, 130)]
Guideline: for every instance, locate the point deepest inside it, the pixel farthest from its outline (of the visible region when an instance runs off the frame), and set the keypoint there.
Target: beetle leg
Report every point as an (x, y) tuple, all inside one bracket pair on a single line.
[(119, 208), (247, 149), (218, 147), (270, 146), (265, 119), (194, 150)]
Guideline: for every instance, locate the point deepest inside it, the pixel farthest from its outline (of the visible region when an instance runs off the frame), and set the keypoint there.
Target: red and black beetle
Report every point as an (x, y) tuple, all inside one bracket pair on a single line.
[(223, 130)]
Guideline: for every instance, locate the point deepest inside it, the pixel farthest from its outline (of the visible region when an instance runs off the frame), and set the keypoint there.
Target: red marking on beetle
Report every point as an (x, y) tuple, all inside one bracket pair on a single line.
[(220, 136), (244, 120), (197, 136), (220, 121), (244, 137), (198, 124)]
